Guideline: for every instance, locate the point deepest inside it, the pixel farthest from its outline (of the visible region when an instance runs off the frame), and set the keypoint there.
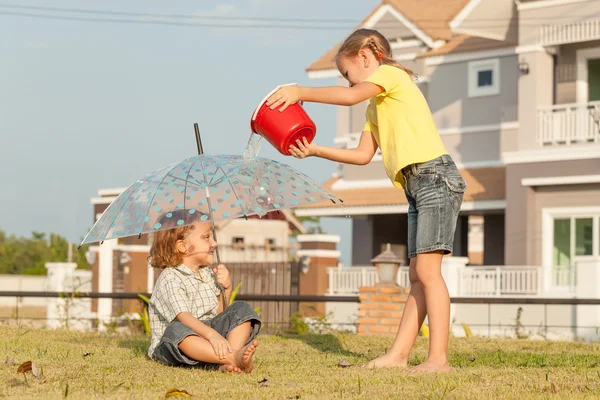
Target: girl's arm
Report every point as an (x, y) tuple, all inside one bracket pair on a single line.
[(361, 155), (338, 95)]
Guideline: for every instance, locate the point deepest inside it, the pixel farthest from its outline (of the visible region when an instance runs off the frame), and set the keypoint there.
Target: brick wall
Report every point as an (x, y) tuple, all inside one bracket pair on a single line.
[(380, 309)]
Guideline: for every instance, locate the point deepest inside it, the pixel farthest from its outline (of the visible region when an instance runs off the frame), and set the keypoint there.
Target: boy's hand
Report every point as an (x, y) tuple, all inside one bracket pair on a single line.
[(222, 274), (220, 345), (286, 95), (304, 149)]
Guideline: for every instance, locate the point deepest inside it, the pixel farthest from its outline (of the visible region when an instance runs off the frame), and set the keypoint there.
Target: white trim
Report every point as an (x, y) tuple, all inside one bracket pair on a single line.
[(318, 238), (480, 164), (552, 154), (582, 72), (531, 48), (324, 73), (377, 15), (150, 279), (342, 184), (398, 15), (406, 57), (406, 44), (479, 128), (134, 248), (474, 68), (546, 3), (463, 14), (560, 180), (103, 200), (111, 191), (319, 253), (479, 205), (473, 55)]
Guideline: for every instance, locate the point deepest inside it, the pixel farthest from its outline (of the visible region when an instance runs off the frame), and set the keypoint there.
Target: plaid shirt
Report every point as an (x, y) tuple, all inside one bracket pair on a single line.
[(177, 290)]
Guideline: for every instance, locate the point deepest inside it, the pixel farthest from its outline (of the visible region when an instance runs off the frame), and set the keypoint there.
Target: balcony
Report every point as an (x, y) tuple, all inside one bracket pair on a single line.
[(568, 124), (582, 31)]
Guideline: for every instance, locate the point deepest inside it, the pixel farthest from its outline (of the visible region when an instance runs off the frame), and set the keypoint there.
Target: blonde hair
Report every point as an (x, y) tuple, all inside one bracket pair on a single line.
[(374, 41), (163, 251)]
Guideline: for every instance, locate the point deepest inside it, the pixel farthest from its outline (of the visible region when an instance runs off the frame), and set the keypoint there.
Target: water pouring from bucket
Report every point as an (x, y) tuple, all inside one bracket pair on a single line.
[(282, 128)]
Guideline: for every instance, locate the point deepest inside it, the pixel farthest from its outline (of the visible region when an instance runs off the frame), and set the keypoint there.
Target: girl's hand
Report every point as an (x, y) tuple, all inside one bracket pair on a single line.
[(220, 345), (287, 95), (222, 274), (304, 149)]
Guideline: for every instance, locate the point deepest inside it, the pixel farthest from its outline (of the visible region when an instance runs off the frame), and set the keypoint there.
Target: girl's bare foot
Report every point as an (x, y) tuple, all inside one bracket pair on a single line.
[(430, 367), (386, 361), (244, 357), (229, 368)]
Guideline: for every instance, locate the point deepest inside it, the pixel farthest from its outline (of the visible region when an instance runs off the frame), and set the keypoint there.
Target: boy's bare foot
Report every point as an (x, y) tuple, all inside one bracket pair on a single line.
[(229, 368), (244, 357), (430, 367), (386, 361)]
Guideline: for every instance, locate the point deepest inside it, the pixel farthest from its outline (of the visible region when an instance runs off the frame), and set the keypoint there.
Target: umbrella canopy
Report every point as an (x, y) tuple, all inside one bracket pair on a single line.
[(217, 187)]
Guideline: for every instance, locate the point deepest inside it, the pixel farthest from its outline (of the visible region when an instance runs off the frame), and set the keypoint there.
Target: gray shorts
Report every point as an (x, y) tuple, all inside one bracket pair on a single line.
[(167, 351), (435, 191)]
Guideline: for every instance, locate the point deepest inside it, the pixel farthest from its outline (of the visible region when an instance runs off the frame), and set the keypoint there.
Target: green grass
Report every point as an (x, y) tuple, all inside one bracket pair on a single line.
[(297, 367)]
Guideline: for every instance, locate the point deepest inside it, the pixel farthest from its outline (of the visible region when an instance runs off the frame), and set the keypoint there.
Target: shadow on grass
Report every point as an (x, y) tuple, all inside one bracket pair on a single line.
[(138, 345), (326, 343)]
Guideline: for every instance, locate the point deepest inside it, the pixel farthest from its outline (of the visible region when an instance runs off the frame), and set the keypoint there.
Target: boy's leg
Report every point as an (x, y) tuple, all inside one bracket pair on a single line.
[(200, 349), (429, 274), (239, 335), (412, 318), (239, 324)]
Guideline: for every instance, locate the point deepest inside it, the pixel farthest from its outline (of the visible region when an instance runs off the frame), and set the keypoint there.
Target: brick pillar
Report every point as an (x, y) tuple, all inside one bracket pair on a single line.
[(318, 253), (380, 309)]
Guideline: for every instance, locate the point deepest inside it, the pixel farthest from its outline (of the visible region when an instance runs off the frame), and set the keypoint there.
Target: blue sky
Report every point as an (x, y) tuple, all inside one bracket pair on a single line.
[(89, 105)]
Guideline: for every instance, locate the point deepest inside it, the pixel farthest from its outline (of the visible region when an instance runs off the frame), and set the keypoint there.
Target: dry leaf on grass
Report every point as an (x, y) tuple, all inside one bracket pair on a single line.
[(10, 361), (264, 382), (344, 363), (26, 366), (177, 393), (87, 354)]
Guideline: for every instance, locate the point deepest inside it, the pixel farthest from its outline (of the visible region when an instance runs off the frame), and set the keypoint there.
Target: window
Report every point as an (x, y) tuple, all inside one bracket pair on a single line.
[(484, 78), (573, 237), (237, 242), (270, 244)]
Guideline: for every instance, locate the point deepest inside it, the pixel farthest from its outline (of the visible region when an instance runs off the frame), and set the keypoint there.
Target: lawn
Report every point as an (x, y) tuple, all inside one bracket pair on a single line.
[(88, 366)]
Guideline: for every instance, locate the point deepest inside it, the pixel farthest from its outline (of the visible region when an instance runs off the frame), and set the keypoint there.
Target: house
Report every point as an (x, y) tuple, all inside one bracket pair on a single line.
[(514, 87), (121, 265)]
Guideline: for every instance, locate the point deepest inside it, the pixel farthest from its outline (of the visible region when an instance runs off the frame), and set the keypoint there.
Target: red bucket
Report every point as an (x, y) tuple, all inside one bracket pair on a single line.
[(282, 129)]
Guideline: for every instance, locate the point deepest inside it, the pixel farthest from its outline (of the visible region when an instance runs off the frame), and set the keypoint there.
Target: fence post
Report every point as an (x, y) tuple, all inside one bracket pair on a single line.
[(497, 282), (588, 286), (322, 253)]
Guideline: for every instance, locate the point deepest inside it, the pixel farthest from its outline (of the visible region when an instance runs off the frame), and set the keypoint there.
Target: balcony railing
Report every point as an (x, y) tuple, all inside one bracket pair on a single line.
[(566, 124), (570, 33)]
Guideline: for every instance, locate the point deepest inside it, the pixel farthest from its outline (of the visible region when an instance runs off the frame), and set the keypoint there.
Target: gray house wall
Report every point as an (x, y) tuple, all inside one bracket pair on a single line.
[(523, 204)]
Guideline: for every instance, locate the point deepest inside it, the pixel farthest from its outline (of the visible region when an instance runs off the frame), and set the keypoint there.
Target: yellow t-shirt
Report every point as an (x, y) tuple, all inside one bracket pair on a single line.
[(401, 122)]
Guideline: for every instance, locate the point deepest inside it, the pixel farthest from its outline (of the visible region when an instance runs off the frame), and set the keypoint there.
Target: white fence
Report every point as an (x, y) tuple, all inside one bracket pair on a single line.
[(566, 124), (570, 33), (472, 281)]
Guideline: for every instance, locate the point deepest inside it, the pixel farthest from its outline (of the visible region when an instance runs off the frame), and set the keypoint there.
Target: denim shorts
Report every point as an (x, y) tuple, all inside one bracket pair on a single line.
[(435, 191), (167, 351)]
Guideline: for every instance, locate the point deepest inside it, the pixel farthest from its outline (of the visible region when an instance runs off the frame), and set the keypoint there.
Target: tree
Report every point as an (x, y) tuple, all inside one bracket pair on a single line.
[(28, 256)]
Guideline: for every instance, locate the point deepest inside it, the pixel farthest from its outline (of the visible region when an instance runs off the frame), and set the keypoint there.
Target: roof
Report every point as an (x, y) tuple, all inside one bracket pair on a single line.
[(482, 184), (431, 16), (466, 44)]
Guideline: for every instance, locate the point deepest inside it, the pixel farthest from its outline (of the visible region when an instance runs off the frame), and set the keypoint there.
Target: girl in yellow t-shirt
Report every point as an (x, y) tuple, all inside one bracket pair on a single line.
[(399, 122)]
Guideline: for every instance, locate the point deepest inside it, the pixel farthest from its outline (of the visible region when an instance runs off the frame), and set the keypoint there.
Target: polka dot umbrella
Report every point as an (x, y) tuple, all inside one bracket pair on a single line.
[(206, 188)]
